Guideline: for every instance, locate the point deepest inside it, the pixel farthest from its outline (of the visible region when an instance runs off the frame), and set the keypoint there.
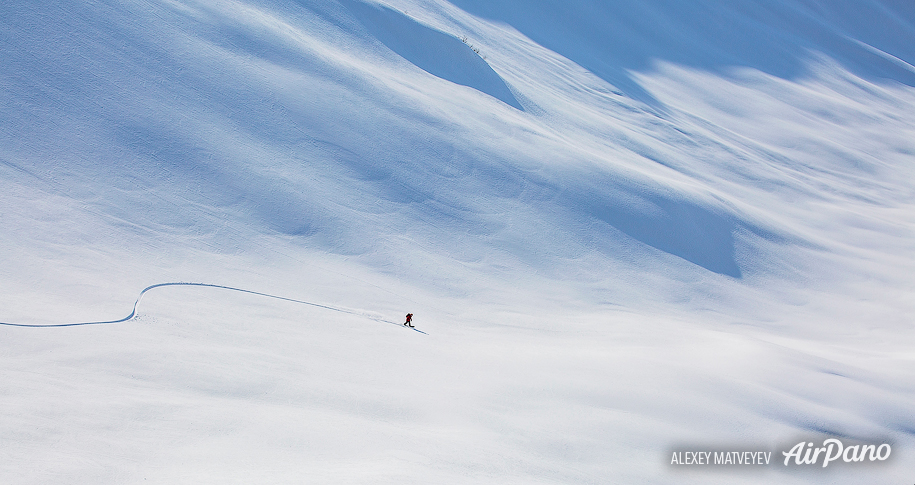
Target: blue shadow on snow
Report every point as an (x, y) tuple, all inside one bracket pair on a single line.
[(611, 38), (431, 50), (685, 228)]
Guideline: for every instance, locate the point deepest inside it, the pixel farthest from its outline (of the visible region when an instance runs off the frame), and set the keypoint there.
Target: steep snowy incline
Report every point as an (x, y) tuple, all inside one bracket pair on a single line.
[(613, 39), (624, 224), (340, 125)]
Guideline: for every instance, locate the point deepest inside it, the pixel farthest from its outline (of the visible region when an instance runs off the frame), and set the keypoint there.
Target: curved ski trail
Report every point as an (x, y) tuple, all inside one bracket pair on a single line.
[(133, 312)]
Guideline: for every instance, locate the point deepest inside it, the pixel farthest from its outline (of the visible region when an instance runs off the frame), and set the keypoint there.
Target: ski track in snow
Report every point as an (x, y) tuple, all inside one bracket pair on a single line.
[(133, 312)]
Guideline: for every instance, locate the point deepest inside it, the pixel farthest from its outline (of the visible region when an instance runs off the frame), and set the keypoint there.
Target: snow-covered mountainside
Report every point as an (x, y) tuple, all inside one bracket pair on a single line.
[(627, 228)]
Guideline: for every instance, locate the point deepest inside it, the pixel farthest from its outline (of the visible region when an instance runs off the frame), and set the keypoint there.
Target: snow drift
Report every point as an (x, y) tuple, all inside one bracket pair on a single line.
[(626, 226)]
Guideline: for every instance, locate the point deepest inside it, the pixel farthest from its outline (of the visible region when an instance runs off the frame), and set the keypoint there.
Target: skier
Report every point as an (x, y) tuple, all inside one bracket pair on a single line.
[(409, 320)]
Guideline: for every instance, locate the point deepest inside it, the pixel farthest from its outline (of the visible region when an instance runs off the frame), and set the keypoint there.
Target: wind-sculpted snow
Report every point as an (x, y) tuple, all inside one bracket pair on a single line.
[(699, 234), (433, 51), (626, 225), (613, 38)]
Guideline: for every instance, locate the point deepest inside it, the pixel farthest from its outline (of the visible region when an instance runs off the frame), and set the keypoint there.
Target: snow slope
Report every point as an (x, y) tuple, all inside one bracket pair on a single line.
[(627, 227)]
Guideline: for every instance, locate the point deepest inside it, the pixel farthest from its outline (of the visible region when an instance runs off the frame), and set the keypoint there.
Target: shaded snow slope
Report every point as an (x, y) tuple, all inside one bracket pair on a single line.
[(433, 51), (777, 37), (625, 225)]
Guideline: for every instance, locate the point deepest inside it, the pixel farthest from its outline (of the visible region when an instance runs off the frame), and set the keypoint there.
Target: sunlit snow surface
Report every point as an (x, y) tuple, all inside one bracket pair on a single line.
[(626, 227)]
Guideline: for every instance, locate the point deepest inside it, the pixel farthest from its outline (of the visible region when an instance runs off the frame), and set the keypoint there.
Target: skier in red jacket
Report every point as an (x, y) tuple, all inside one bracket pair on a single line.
[(409, 320)]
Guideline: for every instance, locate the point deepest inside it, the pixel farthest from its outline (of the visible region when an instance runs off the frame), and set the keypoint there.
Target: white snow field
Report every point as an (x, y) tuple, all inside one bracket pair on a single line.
[(627, 228)]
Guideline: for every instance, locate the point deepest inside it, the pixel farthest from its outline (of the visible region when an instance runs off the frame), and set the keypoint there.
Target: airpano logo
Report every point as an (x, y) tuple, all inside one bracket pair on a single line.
[(805, 454)]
